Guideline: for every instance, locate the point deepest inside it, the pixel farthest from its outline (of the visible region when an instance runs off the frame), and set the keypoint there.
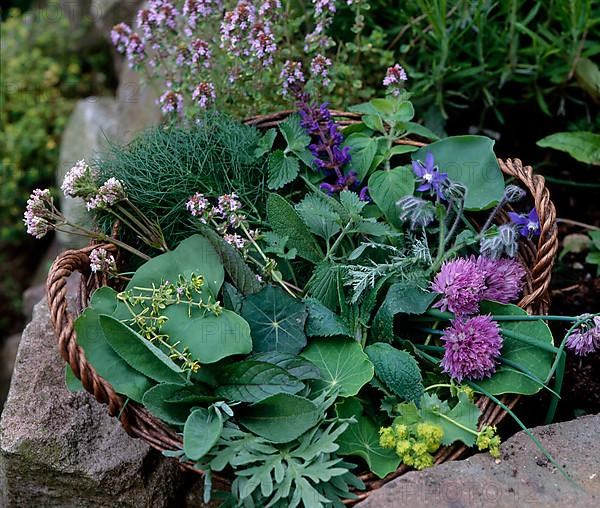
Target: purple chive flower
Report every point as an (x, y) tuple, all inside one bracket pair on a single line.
[(586, 339), (528, 224), (430, 176), (394, 78), (461, 284), (471, 348), (503, 278), (204, 94)]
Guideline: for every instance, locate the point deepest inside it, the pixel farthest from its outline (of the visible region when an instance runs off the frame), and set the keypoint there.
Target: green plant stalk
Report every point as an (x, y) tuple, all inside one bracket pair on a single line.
[(338, 240), (447, 316), (478, 388), (560, 373)]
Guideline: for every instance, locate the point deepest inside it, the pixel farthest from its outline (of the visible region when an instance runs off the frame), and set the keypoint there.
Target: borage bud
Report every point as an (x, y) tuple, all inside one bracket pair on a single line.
[(417, 211), (513, 193)]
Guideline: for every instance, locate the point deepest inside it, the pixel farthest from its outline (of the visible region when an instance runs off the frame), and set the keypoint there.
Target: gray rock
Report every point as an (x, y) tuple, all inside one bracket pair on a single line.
[(92, 124), (8, 353), (61, 449), (523, 477)]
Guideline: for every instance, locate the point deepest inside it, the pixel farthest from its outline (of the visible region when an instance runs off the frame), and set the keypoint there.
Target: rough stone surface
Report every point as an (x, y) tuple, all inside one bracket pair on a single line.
[(8, 354), (523, 477), (61, 449)]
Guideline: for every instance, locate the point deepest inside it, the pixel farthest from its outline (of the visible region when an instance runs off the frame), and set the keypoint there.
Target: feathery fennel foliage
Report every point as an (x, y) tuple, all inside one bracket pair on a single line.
[(166, 165)]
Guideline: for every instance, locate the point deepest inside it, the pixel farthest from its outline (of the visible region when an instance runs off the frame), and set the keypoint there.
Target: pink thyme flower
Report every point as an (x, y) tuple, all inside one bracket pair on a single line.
[(38, 213), (102, 261), (461, 284), (236, 240), (324, 6), (262, 43), (471, 348), (292, 77), (120, 36), (194, 9), (78, 181), (227, 204), (204, 94), (200, 207), (110, 192), (171, 102), (235, 27), (586, 339), (394, 77), (503, 278), (201, 53), (135, 50), (319, 67), (269, 8)]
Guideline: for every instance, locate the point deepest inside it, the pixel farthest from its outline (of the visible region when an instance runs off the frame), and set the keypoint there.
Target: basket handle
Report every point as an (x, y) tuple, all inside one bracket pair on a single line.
[(547, 245), (66, 264)]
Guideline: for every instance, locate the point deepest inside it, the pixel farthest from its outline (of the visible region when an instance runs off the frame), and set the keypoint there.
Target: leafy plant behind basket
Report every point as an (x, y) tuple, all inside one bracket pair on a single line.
[(163, 167)]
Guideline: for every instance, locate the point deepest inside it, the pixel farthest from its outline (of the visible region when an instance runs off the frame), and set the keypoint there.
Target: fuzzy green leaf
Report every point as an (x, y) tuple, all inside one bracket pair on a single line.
[(401, 298), (276, 321), (283, 169), (295, 136), (322, 322), (201, 432), (253, 381), (343, 364), (363, 149), (326, 284), (362, 440), (465, 413), (285, 222), (295, 365), (320, 218), (387, 187), (281, 418), (265, 143), (398, 371)]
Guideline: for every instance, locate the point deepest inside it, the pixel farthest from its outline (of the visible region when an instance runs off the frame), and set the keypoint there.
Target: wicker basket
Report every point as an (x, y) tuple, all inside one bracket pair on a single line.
[(138, 422)]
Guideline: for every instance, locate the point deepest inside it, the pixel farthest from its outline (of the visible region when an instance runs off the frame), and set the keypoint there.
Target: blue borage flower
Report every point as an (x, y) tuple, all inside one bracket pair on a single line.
[(528, 224), (430, 177)]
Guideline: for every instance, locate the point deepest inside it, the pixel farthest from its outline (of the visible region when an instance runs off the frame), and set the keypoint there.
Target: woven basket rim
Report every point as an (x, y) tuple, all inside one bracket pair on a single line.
[(139, 423)]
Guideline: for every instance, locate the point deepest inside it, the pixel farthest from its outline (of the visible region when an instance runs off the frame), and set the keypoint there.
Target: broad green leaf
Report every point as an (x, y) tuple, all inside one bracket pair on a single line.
[(534, 360), (73, 384), (194, 255), (326, 284), (374, 122), (284, 221), (280, 418), (363, 149), (207, 337), (420, 130), (320, 218), (343, 364), (276, 321), (387, 187), (361, 439), (402, 149), (401, 298), (403, 112), (201, 432), (471, 161), (104, 301), (106, 362), (139, 352), (322, 322), (173, 403), (252, 381), (582, 146), (265, 143), (295, 136), (397, 370), (295, 365), (243, 278), (283, 169), (464, 414), (384, 106)]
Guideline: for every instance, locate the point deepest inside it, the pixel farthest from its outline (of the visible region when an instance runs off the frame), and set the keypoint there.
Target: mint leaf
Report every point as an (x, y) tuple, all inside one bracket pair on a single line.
[(265, 143), (322, 322), (282, 169)]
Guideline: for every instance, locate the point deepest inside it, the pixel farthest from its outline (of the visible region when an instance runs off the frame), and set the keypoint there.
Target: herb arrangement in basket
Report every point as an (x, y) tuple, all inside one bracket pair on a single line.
[(306, 305)]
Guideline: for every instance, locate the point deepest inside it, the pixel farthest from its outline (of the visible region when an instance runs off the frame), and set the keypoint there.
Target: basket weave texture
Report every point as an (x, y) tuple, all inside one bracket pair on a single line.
[(537, 258)]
